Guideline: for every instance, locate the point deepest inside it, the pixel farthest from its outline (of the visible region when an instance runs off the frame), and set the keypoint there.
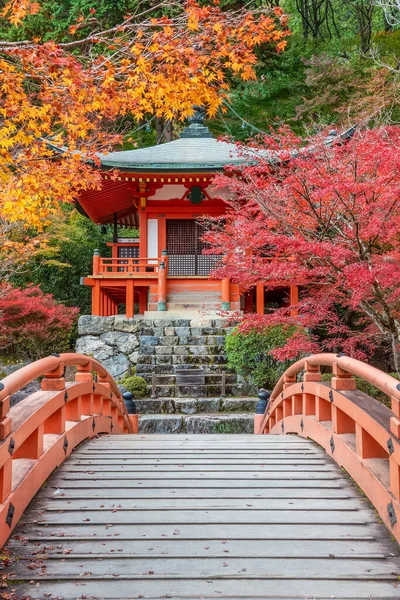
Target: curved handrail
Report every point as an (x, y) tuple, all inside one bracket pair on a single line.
[(359, 432), (19, 379), (45, 427), (384, 382)]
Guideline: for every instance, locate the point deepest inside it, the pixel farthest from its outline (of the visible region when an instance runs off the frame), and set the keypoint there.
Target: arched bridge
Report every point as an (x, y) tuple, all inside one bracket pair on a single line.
[(311, 510)]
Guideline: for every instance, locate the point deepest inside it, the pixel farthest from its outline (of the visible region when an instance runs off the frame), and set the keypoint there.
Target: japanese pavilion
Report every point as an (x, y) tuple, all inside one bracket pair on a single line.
[(164, 190)]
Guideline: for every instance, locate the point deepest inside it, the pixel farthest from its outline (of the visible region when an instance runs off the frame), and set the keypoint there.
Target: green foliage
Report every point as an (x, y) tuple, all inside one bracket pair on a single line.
[(69, 256), (250, 354), (136, 385), (128, 232)]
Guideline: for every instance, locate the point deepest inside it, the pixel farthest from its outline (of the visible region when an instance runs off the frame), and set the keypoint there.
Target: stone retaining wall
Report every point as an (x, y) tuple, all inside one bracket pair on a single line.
[(113, 341)]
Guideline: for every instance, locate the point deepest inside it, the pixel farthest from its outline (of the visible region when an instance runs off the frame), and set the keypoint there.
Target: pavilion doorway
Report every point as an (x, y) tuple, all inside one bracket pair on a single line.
[(185, 249)]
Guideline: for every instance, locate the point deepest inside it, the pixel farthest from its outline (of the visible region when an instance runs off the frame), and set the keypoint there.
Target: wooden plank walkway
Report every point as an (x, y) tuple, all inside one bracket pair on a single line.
[(217, 516)]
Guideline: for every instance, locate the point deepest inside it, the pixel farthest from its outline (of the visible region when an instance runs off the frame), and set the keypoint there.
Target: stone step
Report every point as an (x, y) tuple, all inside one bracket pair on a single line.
[(184, 332), (186, 319), (183, 350), (185, 295), (181, 359), (170, 369), (197, 316), (182, 362), (188, 340), (211, 378), (189, 391), (201, 423), (191, 406), (193, 305)]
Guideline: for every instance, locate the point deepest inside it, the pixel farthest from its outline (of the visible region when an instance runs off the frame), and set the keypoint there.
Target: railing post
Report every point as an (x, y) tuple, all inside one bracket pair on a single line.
[(164, 256), (342, 380), (54, 380), (5, 422), (162, 287), (84, 374), (395, 421), (288, 380), (6, 480), (96, 262), (311, 372)]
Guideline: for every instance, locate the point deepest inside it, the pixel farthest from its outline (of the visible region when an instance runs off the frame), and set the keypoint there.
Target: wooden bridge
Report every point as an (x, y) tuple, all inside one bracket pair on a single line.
[(283, 516)]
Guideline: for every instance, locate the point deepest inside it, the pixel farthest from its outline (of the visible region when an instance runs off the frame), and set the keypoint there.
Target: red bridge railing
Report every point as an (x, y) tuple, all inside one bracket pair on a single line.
[(40, 432), (360, 433)]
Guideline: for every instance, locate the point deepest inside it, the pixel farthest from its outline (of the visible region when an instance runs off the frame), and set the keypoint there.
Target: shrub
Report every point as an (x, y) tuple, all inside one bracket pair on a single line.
[(32, 324), (249, 353), (136, 385)]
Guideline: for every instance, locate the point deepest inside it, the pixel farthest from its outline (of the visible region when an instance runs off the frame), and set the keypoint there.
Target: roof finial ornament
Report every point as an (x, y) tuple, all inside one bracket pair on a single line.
[(196, 128), (198, 116)]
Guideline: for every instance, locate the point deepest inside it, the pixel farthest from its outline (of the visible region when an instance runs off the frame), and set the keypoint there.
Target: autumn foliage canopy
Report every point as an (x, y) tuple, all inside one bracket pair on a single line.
[(69, 95), (327, 217)]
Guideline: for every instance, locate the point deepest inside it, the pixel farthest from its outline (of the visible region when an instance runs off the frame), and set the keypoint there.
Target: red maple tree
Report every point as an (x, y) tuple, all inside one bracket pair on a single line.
[(325, 216), (33, 324)]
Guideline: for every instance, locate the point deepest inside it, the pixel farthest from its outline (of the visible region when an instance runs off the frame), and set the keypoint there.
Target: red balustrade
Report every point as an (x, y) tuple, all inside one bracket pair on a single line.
[(360, 433), (40, 432)]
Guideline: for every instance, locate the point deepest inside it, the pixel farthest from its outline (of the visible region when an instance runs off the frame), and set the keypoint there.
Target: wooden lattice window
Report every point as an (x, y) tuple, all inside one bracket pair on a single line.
[(128, 251), (185, 247)]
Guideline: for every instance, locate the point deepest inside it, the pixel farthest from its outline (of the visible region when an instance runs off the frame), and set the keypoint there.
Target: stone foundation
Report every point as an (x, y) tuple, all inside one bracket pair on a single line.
[(110, 340), (155, 348)]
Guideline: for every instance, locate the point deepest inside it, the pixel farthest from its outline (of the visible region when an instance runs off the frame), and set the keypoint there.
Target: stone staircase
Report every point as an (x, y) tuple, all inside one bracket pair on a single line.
[(155, 347), (196, 415), (167, 345), (170, 344), (198, 300)]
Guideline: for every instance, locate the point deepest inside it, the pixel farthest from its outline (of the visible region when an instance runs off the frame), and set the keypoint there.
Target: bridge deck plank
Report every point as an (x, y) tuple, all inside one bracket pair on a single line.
[(122, 518)]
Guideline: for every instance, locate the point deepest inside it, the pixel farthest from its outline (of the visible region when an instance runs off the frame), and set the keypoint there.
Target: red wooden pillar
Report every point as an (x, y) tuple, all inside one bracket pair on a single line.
[(96, 262), (260, 299), (143, 235), (103, 303), (142, 301), (248, 302), (162, 287), (162, 234), (96, 308), (294, 299), (226, 294), (130, 299), (114, 256)]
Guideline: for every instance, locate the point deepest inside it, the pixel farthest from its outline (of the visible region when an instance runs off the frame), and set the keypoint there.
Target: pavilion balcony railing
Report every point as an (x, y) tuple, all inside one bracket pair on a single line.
[(122, 267)]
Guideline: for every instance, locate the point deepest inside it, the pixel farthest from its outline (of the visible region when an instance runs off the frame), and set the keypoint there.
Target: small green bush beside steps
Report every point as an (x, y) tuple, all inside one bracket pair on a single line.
[(249, 354), (136, 385)]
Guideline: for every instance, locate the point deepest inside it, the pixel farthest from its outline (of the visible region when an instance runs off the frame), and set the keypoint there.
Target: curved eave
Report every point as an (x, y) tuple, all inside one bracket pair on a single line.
[(170, 167)]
